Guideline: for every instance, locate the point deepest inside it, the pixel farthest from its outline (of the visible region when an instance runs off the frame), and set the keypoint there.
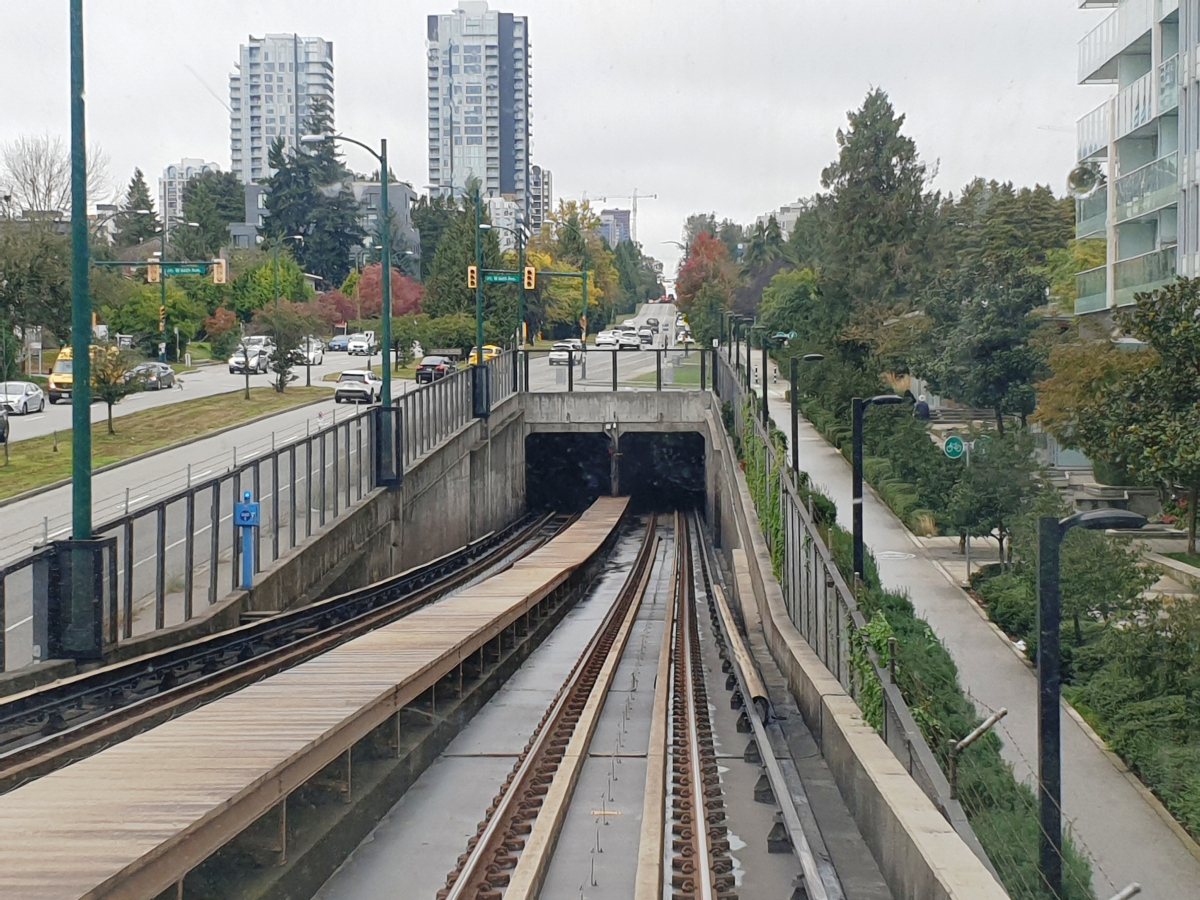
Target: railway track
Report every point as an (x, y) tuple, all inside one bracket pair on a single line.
[(44, 729), (685, 843)]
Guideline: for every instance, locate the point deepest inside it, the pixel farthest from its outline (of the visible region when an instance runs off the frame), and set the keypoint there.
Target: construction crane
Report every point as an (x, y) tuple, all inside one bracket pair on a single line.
[(633, 198)]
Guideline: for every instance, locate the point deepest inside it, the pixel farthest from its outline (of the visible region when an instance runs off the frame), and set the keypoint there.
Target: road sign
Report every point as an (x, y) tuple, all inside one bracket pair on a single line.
[(502, 277), (246, 515), (186, 268), (954, 447)]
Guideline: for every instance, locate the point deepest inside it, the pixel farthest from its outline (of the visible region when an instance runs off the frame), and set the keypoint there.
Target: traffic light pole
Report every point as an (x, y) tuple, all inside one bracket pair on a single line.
[(479, 278), (81, 298)]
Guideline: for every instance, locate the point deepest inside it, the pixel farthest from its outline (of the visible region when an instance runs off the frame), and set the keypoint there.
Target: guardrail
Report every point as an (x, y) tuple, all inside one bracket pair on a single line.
[(824, 610), (180, 553)]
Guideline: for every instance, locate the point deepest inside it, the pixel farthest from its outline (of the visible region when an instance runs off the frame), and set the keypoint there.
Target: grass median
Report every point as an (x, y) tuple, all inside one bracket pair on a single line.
[(35, 463)]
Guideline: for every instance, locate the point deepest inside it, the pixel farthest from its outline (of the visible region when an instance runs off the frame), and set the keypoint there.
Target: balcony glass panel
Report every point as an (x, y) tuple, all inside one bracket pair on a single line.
[(1142, 273), (1168, 85), (1091, 214), (1135, 105), (1149, 188), (1092, 131), (1099, 46), (1091, 288)]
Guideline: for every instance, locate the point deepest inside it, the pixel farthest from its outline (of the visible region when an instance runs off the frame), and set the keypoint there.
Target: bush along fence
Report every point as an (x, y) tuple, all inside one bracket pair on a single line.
[(901, 676)]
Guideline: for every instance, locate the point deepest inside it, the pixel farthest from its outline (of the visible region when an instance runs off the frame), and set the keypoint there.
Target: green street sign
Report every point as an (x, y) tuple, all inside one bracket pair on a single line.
[(185, 268), (954, 447), (502, 277)]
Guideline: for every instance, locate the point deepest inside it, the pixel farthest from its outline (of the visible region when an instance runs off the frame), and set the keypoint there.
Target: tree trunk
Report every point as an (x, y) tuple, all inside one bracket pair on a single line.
[(1191, 547), (999, 422), (247, 395), (1078, 631), (110, 425), (1000, 545)]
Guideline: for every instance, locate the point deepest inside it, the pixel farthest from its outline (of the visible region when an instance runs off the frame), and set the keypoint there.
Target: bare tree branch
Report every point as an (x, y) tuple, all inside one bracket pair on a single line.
[(35, 174)]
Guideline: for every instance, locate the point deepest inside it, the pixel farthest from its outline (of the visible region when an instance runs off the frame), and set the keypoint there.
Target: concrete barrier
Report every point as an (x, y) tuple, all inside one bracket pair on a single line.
[(918, 852)]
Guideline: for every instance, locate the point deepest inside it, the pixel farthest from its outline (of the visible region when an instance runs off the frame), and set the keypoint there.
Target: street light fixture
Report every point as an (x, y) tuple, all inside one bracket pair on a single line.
[(794, 403), (1051, 531), (858, 406), (386, 239)]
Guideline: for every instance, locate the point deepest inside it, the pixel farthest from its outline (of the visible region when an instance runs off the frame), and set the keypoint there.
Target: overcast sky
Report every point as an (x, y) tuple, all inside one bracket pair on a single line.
[(715, 105)]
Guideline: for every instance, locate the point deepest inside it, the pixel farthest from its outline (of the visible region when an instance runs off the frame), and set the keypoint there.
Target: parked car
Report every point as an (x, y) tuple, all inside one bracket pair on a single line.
[(253, 354), (628, 340), (21, 397), (363, 344), (645, 335), (433, 368), (154, 376), (310, 353), (358, 386), (340, 342), (565, 354), (607, 340)]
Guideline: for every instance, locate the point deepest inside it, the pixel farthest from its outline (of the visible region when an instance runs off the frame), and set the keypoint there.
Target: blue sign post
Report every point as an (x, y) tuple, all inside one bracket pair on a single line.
[(246, 517)]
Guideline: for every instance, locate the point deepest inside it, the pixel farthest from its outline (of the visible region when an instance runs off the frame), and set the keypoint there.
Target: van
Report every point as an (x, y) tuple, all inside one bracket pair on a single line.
[(62, 377)]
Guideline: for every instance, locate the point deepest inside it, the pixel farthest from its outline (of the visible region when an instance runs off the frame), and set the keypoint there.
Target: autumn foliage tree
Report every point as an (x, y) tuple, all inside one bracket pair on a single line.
[(705, 285), (407, 294)]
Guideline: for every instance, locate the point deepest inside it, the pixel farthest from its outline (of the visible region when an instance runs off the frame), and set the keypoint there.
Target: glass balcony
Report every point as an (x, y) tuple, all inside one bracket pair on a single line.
[(1100, 46), (1142, 273), (1092, 290), (1092, 131), (1150, 188), (1168, 85), (1091, 215), (1135, 105)]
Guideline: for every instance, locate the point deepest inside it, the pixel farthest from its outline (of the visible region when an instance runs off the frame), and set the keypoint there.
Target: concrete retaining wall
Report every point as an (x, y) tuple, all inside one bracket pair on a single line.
[(918, 852)]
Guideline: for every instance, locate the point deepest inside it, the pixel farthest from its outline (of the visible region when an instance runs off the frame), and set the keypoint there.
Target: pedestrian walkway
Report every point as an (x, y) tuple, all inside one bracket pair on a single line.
[(1110, 817)]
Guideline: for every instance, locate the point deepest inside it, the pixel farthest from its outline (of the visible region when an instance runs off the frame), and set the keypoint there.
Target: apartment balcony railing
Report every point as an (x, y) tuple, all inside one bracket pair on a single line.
[(1142, 273), (1152, 187), (1128, 22), (1091, 288), (1136, 105), (1093, 130), (1091, 215), (1168, 85)]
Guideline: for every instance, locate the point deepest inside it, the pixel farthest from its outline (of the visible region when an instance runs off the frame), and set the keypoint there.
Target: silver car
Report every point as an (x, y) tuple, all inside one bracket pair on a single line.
[(22, 397)]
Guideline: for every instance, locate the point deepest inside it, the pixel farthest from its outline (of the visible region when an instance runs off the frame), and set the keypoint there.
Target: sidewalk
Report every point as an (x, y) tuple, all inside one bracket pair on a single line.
[(1109, 816)]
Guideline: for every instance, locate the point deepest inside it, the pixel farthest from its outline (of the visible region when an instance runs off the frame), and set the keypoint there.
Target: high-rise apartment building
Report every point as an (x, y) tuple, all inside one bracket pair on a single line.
[(1144, 141), (614, 225), (479, 96), (174, 178), (271, 95), (541, 197)]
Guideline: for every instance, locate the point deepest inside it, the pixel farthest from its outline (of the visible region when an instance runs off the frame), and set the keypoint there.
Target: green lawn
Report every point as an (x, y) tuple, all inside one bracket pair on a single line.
[(1185, 559), (35, 463), (409, 372), (687, 374)]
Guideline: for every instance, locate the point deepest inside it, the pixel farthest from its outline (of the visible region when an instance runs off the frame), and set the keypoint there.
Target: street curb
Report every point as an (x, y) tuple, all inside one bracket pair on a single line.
[(27, 495), (1148, 796)]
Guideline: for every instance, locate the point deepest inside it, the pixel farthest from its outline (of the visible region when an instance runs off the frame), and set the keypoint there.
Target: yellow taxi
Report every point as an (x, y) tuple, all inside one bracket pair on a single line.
[(62, 377), (490, 352)]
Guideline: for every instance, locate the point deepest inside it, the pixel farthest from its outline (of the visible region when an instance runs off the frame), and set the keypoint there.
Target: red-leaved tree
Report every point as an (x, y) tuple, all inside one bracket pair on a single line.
[(336, 308), (407, 295), (708, 262)]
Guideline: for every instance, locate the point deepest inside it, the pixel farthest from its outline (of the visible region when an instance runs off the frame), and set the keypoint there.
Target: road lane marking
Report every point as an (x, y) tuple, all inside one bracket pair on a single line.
[(19, 624)]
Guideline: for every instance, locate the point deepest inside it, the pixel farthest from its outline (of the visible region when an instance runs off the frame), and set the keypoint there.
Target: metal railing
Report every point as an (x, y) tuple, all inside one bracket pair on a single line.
[(1093, 131), (824, 610), (180, 554), (614, 370), (1091, 289), (1142, 273), (1131, 20), (1091, 214), (1152, 187)]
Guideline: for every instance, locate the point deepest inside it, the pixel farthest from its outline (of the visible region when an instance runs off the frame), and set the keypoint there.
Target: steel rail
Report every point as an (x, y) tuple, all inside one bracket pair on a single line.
[(311, 632), (492, 853)]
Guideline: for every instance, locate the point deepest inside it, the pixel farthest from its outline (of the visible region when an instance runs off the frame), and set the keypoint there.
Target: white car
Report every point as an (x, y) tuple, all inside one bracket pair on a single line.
[(358, 386), (606, 339), (253, 354), (564, 353), (628, 340), (21, 397), (362, 344), (311, 352), (645, 335)]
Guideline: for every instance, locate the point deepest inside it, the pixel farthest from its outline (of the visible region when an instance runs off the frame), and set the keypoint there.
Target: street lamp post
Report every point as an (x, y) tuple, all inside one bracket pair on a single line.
[(1051, 531), (794, 403), (385, 257), (479, 277), (858, 407)]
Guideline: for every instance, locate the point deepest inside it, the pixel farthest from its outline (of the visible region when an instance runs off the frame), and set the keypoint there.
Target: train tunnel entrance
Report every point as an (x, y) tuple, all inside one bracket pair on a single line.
[(661, 472)]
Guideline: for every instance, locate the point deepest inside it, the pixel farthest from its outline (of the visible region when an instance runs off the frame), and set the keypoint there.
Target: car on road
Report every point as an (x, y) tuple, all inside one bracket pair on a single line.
[(310, 352), (565, 353), (340, 342), (253, 354), (358, 386), (21, 397), (433, 368), (607, 340), (363, 344), (645, 335), (153, 376), (62, 376), (652, 324), (490, 352), (628, 340)]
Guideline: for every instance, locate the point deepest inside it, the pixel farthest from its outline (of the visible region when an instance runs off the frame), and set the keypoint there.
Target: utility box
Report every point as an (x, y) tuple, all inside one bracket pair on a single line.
[(389, 447), (481, 391)]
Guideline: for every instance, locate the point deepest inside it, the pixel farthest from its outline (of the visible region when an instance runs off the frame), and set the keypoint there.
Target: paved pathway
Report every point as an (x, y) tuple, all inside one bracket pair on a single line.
[(1125, 837)]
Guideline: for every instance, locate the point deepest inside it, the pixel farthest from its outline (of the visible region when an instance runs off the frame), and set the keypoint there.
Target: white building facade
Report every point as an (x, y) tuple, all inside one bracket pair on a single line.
[(479, 100), (507, 214), (174, 179), (541, 197), (615, 226), (271, 95), (1144, 140)]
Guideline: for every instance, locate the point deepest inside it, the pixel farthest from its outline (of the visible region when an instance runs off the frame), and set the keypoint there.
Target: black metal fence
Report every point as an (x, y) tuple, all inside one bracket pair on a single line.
[(593, 369), (181, 553)]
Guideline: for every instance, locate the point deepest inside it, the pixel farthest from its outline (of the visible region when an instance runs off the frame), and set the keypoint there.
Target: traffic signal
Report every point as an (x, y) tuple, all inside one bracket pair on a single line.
[(530, 278), (162, 318), (472, 277), (153, 273), (219, 272)]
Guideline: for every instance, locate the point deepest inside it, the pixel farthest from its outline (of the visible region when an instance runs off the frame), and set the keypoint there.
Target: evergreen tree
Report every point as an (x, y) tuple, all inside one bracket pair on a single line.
[(446, 285), (214, 200), (135, 228), (431, 216)]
